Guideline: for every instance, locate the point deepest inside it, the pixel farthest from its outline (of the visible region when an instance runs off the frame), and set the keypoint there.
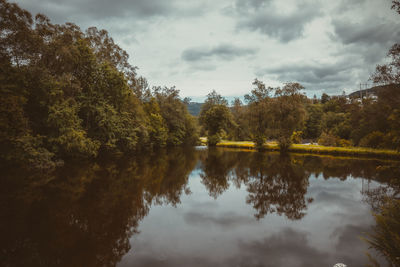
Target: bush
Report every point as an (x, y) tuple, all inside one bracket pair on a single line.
[(392, 140), (327, 139), (374, 140), (297, 137), (344, 143), (212, 140)]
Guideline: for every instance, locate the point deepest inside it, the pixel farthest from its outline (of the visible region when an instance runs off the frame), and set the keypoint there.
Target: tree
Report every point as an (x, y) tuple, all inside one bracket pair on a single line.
[(389, 73), (215, 117), (313, 122), (259, 113), (396, 5), (288, 113), (239, 112), (180, 124), (324, 98)]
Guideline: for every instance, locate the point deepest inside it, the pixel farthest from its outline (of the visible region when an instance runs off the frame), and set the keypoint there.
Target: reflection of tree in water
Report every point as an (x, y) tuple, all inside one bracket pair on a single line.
[(384, 198), (168, 176), (384, 236), (73, 223), (87, 214), (277, 184), (217, 170)]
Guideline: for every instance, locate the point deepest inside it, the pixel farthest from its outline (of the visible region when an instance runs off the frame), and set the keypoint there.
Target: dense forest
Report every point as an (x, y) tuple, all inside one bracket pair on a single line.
[(68, 94), (72, 94)]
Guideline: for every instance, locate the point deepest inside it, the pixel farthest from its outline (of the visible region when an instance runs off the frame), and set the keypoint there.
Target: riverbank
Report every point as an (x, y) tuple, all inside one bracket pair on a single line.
[(318, 149)]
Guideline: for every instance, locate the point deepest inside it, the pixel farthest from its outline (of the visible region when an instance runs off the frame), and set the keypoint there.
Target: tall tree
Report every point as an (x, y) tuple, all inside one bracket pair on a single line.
[(259, 113), (288, 113), (215, 117)]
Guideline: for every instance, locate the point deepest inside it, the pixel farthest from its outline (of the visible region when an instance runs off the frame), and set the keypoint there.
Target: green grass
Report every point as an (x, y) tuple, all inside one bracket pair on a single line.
[(317, 149)]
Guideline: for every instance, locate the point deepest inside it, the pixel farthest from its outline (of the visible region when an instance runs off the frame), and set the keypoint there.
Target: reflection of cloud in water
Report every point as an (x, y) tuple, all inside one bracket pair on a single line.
[(349, 244), (287, 247), (335, 199), (225, 220), (205, 205)]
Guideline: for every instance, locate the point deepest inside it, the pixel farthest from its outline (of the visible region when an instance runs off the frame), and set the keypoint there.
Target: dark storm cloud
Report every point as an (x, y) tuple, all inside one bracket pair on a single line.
[(245, 5), (61, 10), (224, 52), (313, 76), (225, 220), (285, 28), (366, 33), (261, 16), (346, 5)]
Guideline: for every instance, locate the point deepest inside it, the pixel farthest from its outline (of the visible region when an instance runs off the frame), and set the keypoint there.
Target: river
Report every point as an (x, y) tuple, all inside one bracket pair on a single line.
[(194, 207)]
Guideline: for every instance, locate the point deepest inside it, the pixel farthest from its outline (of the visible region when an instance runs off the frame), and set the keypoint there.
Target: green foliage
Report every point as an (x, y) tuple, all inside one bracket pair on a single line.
[(69, 94), (239, 113), (327, 139), (288, 113), (216, 117), (259, 112), (67, 136), (325, 98), (180, 124), (374, 140), (296, 137), (312, 125)]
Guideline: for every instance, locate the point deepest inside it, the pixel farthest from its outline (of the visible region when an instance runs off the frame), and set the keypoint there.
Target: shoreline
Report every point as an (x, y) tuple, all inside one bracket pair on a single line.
[(318, 149)]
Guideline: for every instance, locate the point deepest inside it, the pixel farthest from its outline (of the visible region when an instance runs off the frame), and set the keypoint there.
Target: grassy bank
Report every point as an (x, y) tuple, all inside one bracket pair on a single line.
[(318, 149)]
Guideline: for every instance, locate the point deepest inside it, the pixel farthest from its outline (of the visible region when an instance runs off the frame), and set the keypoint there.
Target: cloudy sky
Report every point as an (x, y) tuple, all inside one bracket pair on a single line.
[(198, 46)]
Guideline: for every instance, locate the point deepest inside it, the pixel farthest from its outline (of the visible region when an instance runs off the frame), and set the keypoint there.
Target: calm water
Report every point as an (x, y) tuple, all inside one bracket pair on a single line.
[(193, 207)]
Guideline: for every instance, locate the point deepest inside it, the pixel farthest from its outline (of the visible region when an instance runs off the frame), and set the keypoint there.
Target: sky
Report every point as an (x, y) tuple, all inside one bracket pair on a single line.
[(204, 45)]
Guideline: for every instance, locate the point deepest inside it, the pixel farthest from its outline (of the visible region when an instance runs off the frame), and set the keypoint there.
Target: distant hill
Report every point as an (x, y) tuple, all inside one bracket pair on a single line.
[(194, 108), (370, 91)]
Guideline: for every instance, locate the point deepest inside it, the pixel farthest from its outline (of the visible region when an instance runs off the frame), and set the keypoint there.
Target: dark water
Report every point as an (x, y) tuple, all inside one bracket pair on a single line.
[(193, 207)]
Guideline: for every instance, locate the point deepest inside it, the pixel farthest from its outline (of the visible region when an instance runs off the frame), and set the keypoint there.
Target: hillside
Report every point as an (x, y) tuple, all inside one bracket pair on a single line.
[(194, 108), (370, 91)]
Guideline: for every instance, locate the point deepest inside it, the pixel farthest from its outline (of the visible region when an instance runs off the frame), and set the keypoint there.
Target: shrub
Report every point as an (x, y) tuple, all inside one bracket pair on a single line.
[(296, 137), (344, 143), (374, 140), (212, 140), (327, 139)]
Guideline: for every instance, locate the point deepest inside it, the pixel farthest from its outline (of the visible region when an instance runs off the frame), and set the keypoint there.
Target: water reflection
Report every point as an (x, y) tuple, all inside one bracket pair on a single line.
[(90, 214), (87, 214), (274, 183)]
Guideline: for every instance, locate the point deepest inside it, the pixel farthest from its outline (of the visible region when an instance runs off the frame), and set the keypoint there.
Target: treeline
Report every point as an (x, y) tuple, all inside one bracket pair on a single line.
[(287, 116), (68, 94)]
